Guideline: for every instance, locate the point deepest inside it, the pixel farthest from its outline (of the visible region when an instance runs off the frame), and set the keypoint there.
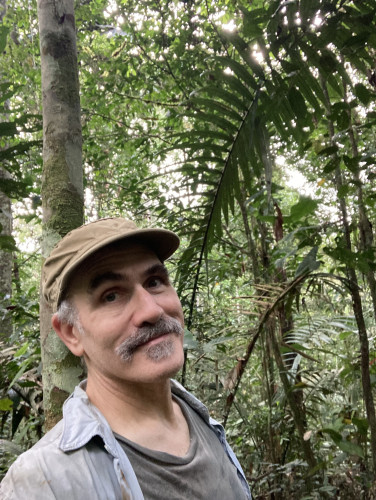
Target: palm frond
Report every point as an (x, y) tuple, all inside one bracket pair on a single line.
[(222, 174)]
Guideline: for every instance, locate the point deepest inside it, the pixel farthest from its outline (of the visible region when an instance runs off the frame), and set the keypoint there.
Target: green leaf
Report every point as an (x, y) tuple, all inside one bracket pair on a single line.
[(251, 21), (24, 366), (297, 103), (344, 335), (371, 115), (306, 75), (212, 344), (7, 243), (309, 263), (350, 448), (343, 191), (332, 164), (334, 434), (306, 90), (215, 119), (240, 71), (304, 207), (8, 129), (6, 404), (363, 94), (189, 341), (203, 134), (343, 120), (6, 92), (328, 151), (244, 50), (18, 149), (238, 86), (210, 104), (15, 189), (22, 350), (352, 163), (228, 97), (361, 424), (4, 30)]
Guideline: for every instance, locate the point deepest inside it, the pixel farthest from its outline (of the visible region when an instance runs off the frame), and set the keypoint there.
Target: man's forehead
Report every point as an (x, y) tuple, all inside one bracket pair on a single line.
[(122, 253), (116, 259)]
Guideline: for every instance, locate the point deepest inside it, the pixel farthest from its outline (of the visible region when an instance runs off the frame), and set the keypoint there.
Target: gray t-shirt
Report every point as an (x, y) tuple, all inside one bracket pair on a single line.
[(204, 473)]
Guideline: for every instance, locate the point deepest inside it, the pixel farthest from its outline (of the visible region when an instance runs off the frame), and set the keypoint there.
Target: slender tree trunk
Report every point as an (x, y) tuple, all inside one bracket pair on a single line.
[(6, 263), (273, 449), (356, 301), (285, 321), (6, 257), (62, 183), (250, 242), (294, 401), (365, 226)]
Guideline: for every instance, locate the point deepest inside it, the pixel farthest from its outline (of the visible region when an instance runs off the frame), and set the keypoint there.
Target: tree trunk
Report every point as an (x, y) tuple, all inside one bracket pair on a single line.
[(248, 233), (6, 262), (356, 299), (6, 257), (294, 401), (365, 226), (62, 182)]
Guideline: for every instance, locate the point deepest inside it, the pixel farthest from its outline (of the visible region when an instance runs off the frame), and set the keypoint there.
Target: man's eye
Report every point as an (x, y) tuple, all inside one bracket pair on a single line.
[(110, 297), (154, 282)]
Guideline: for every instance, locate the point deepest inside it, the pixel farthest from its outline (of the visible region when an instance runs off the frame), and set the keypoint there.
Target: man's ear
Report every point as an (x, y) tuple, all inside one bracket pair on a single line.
[(69, 335)]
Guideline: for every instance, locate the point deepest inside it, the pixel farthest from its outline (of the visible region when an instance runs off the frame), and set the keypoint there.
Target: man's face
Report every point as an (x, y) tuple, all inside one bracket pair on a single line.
[(131, 316)]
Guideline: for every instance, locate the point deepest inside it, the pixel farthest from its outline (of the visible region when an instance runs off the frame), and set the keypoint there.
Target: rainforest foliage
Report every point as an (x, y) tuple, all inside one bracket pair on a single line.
[(249, 129)]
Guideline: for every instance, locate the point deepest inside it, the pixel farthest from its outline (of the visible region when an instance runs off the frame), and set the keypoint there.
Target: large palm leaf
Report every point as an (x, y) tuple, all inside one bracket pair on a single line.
[(242, 104)]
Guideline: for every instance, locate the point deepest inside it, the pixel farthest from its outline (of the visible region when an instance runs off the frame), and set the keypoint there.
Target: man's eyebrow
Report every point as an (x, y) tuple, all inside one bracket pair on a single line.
[(98, 280), (157, 269)]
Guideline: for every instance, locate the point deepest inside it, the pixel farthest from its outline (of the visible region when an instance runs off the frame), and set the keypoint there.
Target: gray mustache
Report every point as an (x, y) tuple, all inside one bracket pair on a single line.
[(146, 333)]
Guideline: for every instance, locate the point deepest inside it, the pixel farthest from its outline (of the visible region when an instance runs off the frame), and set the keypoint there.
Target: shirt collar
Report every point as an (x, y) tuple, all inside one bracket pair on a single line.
[(83, 420)]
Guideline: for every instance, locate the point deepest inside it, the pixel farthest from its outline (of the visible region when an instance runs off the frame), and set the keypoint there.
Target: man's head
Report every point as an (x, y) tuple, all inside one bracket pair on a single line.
[(116, 306)]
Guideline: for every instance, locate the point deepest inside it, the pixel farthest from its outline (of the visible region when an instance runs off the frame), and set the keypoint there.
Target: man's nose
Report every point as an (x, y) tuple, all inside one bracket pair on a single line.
[(146, 308)]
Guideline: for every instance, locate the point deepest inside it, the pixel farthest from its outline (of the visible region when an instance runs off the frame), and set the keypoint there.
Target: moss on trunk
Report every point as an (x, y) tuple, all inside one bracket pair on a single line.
[(62, 184)]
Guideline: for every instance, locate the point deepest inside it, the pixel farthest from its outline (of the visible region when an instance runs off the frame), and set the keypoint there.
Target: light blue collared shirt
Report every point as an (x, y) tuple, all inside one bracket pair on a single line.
[(80, 457)]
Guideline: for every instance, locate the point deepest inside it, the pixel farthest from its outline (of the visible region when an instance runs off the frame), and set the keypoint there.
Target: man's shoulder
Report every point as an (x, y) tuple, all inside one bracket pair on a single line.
[(47, 472), (50, 440), (49, 443), (27, 473)]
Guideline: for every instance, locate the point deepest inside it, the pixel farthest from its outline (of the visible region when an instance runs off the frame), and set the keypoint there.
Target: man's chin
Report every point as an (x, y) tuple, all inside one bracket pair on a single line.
[(161, 350)]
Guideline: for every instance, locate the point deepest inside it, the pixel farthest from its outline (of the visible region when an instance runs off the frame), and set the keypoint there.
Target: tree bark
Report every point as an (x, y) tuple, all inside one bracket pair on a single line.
[(6, 262), (62, 181), (6, 257)]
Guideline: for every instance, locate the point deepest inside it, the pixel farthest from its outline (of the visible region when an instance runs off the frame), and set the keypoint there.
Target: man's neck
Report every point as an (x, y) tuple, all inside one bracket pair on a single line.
[(131, 401), (143, 413)]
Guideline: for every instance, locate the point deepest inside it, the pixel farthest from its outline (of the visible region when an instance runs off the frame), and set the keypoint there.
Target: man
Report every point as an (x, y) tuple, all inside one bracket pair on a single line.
[(128, 431)]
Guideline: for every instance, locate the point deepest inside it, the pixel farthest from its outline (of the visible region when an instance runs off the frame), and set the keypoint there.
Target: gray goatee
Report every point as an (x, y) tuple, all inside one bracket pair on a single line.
[(157, 352)]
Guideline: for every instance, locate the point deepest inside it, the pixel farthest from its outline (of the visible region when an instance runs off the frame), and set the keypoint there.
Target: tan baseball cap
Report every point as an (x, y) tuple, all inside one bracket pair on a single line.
[(82, 242)]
